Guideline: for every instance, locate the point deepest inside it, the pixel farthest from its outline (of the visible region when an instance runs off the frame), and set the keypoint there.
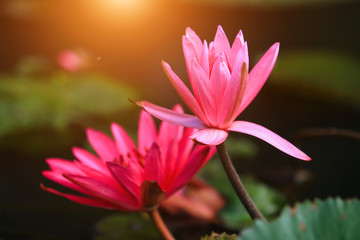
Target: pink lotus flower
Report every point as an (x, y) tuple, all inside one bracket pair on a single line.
[(222, 89), (126, 177)]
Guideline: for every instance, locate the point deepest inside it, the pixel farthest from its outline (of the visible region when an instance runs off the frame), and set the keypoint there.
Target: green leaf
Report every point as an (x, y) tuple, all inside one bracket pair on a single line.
[(322, 74), (216, 236), (234, 215), (126, 226), (333, 219), (58, 100), (268, 200)]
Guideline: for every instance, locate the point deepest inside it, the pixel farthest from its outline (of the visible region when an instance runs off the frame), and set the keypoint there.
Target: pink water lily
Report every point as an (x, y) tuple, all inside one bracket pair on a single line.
[(222, 88), (127, 177)]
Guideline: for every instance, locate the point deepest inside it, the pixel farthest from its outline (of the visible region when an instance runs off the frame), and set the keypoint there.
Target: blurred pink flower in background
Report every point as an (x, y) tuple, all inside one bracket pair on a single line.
[(222, 89), (126, 177), (72, 60), (198, 199)]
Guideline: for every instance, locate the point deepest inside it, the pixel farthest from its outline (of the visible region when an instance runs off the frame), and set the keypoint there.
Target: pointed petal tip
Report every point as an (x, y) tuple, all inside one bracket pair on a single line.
[(269, 137), (43, 187), (306, 158), (48, 160), (131, 100), (166, 66), (89, 132), (188, 30), (114, 126), (164, 63), (276, 47), (140, 103), (75, 149)]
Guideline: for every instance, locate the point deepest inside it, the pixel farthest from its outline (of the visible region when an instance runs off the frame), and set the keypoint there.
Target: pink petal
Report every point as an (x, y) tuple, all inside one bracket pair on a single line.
[(186, 146), (88, 171), (171, 116), (238, 57), (126, 178), (83, 200), (234, 94), (190, 52), (172, 153), (154, 165), (239, 36), (184, 92), (89, 159), (125, 145), (219, 79), (193, 37), (192, 48), (259, 74), (192, 45), (59, 178), (237, 47), (169, 132), (92, 173), (101, 190), (103, 145), (146, 132), (269, 137), (205, 91), (220, 75), (63, 166), (210, 136), (221, 42), (204, 59), (197, 159), (168, 140)]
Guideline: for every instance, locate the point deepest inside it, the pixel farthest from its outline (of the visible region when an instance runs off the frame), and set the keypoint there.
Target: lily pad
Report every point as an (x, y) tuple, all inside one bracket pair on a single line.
[(333, 219), (322, 74), (28, 102), (126, 226), (222, 236)]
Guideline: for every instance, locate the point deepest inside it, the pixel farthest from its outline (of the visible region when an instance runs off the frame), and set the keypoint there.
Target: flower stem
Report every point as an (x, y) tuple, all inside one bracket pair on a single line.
[(237, 184), (160, 225)]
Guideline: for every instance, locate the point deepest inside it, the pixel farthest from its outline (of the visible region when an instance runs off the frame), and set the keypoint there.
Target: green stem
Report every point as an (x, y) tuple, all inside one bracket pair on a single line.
[(237, 184), (160, 225)]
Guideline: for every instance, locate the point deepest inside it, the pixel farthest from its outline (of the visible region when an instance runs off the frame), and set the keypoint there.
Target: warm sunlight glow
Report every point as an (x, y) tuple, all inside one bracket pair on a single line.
[(121, 3), (122, 8)]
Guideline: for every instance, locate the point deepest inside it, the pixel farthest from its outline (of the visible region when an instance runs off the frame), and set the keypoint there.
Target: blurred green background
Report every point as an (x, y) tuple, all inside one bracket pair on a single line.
[(68, 65)]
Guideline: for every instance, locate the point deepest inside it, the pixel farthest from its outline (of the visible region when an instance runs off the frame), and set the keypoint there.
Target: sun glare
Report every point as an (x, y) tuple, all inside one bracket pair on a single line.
[(121, 2), (123, 7)]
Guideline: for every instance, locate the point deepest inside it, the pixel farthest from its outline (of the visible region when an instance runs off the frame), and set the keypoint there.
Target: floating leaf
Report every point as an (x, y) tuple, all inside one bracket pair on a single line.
[(333, 219), (126, 226), (324, 74), (216, 236), (59, 100)]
